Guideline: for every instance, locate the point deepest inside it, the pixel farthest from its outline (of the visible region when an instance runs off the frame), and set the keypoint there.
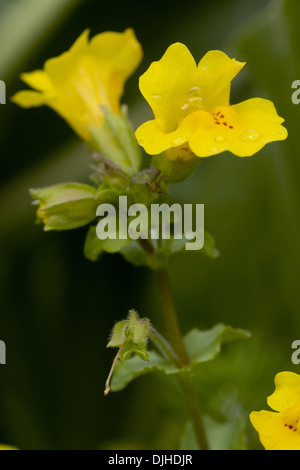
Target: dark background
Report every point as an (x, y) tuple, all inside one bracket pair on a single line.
[(57, 308)]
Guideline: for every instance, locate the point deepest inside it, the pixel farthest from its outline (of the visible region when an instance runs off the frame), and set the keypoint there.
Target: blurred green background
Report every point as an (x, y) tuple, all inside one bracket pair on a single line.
[(57, 308)]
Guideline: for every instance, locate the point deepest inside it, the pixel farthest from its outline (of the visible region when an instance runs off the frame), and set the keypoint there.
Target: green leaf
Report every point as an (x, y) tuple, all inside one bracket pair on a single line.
[(209, 248), (203, 346), (228, 435), (135, 367), (94, 247), (134, 254), (172, 246)]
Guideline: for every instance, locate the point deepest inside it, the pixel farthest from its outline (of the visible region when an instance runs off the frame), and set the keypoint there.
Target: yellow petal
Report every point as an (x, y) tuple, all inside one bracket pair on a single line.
[(38, 80), (121, 52), (154, 141), (116, 56), (58, 69), (214, 75), (273, 432), (90, 75), (258, 124), (28, 99), (174, 87), (242, 129), (166, 83), (287, 392), (77, 94)]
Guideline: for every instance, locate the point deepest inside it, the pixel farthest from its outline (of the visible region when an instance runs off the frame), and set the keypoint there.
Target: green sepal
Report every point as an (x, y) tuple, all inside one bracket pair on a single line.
[(65, 206), (131, 348), (174, 171), (142, 187), (110, 175), (131, 337)]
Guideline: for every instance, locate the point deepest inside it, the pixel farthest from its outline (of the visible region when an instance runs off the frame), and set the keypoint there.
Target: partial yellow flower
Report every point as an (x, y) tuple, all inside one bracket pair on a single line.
[(6, 447), (91, 74), (192, 111), (281, 430)]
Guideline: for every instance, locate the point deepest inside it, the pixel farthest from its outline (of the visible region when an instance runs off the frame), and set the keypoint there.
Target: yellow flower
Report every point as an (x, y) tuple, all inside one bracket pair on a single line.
[(91, 74), (192, 109), (281, 430)]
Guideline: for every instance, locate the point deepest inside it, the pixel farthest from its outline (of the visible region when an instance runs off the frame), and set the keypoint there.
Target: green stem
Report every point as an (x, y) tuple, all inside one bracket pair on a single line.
[(175, 337), (170, 315), (176, 341), (163, 345)]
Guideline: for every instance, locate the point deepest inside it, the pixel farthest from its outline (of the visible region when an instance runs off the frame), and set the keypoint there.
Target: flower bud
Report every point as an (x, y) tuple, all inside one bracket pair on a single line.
[(65, 206)]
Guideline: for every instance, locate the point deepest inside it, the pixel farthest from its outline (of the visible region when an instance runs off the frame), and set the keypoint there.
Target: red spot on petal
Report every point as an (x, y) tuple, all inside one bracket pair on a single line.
[(222, 116), (217, 122), (230, 127), (224, 123)]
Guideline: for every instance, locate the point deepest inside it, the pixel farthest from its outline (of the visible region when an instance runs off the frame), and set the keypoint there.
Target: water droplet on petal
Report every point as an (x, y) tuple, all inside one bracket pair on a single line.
[(195, 98), (178, 141), (219, 138), (194, 88), (212, 149), (156, 97), (281, 131), (185, 106), (250, 135)]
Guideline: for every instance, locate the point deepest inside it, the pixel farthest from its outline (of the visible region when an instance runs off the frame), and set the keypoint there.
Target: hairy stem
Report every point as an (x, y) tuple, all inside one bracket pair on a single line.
[(163, 345)]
